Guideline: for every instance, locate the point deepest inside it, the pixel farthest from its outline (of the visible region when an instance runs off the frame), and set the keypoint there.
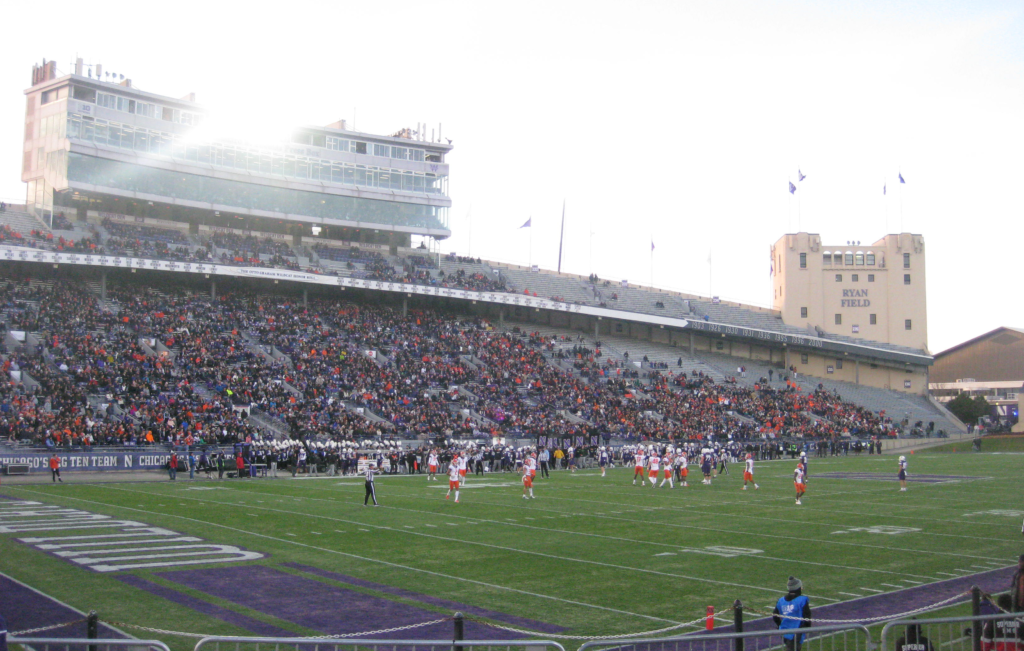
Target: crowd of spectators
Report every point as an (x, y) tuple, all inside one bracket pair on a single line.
[(160, 366)]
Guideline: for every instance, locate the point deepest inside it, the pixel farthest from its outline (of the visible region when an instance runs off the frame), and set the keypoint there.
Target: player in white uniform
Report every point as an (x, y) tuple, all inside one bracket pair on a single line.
[(666, 462), (798, 482), (638, 463), (903, 474), (529, 472), (683, 461), (654, 467), (432, 465), (463, 467), (603, 460), (748, 472), (454, 481)]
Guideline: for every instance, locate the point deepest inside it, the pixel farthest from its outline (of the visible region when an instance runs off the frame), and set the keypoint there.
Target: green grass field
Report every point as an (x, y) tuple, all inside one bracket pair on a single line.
[(997, 443), (596, 555)]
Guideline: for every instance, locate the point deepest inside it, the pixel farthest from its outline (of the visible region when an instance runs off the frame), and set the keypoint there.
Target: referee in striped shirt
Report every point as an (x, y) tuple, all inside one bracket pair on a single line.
[(371, 470)]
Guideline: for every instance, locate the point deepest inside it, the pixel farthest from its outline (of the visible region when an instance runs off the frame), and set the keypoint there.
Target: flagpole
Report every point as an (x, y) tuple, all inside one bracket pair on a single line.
[(710, 269), (901, 201), (885, 202), (531, 243)]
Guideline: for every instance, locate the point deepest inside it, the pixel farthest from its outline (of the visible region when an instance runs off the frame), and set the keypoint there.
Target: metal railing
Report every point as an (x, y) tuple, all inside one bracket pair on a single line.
[(344, 644), (949, 633), (85, 644), (819, 638)]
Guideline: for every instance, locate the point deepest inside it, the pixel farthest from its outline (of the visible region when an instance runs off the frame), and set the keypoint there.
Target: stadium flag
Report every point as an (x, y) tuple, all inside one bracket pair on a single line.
[(883, 189), (652, 245), (528, 224), (561, 238), (800, 175), (792, 188), (901, 178)]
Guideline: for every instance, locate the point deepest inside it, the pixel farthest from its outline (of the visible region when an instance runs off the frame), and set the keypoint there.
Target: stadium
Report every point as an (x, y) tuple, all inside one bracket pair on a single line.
[(221, 351)]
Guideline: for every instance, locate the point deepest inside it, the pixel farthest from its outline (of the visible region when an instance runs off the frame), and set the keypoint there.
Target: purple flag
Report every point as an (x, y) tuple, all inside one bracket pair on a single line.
[(901, 178), (528, 224)]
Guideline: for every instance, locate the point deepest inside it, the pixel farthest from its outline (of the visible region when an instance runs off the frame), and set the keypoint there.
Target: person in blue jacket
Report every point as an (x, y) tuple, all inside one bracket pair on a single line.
[(792, 612)]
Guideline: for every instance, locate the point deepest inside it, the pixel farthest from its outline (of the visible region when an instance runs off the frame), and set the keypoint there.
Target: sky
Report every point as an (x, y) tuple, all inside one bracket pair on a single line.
[(677, 123)]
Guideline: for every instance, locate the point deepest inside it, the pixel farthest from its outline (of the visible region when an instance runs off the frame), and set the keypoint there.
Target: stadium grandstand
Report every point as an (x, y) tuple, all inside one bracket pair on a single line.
[(156, 287)]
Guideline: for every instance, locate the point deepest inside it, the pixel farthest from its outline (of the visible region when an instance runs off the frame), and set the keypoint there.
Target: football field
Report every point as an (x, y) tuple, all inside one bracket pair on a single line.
[(590, 555)]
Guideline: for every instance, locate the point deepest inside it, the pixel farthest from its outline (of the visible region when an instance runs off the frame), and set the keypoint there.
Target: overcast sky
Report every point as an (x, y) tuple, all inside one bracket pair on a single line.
[(681, 122)]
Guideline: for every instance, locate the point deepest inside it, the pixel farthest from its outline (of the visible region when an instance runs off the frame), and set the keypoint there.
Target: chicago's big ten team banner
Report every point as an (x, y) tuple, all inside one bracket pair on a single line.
[(502, 298), (40, 462)]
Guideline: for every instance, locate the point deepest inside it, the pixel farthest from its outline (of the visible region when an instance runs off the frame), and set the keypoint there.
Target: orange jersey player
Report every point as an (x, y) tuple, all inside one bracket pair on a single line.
[(654, 468), (798, 482), (748, 472), (683, 469), (454, 482), (666, 462), (432, 465), (528, 479), (530, 466), (638, 464)]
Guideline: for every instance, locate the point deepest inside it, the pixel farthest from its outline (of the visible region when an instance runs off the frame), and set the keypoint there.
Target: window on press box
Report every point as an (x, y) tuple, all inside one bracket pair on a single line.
[(839, 319), (803, 313)]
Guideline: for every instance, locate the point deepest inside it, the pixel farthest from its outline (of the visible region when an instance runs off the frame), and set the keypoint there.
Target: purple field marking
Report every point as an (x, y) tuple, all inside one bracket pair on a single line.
[(25, 608), (898, 601), (318, 606), (882, 476), (433, 601), (198, 605)]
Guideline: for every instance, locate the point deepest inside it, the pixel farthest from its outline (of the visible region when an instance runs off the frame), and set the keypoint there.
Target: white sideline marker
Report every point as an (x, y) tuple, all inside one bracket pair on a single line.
[(850, 594), (872, 590), (947, 574), (666, 554), (898, 587), (909, 581)]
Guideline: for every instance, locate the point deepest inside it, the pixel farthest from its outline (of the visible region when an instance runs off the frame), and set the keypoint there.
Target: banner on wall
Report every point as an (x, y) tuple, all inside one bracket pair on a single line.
[(92, 461)]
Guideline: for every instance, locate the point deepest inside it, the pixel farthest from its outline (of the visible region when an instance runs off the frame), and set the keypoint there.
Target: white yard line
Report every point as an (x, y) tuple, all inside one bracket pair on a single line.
[(371, 560), (504, 548)]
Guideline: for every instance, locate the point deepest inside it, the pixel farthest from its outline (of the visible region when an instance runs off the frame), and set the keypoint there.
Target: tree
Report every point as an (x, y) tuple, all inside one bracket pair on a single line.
[(968, 409)]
